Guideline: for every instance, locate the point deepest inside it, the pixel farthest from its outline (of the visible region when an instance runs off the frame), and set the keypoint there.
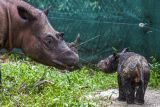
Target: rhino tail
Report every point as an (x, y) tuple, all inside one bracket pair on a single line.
[(139, 74)]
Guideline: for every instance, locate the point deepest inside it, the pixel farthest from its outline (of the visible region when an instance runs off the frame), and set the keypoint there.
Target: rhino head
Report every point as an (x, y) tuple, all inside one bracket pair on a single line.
[(110, 64), (30, 30)]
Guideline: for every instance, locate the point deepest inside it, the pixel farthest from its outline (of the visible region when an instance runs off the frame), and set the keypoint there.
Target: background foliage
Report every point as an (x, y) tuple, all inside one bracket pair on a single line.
[(104, 24)]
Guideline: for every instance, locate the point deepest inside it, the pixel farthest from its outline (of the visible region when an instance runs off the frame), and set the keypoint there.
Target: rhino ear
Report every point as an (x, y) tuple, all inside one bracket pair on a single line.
[(46, 11), (25, 14)]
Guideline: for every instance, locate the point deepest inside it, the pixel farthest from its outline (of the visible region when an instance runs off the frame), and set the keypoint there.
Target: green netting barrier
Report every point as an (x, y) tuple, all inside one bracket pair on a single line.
[(104, 24)]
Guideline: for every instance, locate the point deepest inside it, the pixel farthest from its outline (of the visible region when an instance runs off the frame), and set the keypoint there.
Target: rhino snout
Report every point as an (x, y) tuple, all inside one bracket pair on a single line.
[(70, 58), (101, 65)]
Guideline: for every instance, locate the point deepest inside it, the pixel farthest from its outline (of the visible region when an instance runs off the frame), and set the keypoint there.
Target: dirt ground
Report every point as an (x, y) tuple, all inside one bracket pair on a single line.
[(109, 99)]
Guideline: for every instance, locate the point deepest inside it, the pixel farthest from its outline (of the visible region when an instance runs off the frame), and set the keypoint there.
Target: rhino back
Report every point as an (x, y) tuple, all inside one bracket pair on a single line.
[(130, 61)]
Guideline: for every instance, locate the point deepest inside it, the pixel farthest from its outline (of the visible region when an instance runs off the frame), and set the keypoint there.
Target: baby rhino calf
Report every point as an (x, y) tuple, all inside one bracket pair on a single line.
[(133, 75)]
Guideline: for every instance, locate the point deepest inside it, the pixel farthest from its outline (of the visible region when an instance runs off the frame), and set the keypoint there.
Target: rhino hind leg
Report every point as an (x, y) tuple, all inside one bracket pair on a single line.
[(140, 93), (130, 92), (122, 96)]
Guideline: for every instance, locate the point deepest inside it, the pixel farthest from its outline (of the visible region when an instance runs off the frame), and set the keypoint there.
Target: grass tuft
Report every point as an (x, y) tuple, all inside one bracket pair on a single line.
[(27, 83)]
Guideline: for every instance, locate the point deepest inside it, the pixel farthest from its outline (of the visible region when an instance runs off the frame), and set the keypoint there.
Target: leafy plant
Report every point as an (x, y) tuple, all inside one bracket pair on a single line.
[(155, 73)]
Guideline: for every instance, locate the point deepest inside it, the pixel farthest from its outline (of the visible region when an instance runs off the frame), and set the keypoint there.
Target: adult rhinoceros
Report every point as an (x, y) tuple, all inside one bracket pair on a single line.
[(26, 27)]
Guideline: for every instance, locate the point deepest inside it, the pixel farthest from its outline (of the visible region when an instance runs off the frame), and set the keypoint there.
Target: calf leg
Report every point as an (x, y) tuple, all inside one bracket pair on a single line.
[(122, 96), (130, 92), (140, 93)]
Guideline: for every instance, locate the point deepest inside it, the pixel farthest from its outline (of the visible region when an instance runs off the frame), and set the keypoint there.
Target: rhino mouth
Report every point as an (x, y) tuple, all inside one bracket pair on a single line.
[(58, 63), (62, 66)]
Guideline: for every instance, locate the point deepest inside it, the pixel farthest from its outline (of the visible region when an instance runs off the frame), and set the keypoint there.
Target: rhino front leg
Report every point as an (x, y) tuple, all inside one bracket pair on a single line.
[(122, 96)]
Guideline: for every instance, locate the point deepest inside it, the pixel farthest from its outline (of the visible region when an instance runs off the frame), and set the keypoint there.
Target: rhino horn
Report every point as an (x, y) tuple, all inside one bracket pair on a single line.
[(46, 11), (77, 40)]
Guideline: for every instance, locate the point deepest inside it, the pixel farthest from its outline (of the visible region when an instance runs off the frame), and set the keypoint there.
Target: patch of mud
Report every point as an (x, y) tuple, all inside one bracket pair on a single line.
[(109, 99)]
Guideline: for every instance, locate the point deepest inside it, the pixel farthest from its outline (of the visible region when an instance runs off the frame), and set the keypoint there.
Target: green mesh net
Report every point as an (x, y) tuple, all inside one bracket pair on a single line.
[(104, 24)]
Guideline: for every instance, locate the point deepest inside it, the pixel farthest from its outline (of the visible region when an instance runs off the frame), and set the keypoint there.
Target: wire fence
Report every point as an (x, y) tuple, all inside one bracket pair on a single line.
[(107, 24)]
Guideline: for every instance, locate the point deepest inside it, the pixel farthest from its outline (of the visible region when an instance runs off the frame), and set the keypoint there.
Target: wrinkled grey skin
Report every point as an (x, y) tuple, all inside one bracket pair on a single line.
[(26, 27), (133, 75)]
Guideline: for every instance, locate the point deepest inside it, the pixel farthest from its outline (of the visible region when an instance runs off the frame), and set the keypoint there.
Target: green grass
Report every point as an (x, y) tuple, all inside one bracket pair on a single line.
[(27, 83), (20, 75)]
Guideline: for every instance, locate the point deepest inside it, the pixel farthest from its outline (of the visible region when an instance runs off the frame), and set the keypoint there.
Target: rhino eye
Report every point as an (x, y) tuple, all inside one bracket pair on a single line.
[(49, 40)]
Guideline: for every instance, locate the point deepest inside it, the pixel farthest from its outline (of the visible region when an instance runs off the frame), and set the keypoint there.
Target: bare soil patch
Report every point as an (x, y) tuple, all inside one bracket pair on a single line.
[(109, 99)]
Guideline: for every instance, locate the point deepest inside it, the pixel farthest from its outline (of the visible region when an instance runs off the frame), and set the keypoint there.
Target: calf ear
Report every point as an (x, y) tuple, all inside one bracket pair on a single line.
[(25, 14), (125, 50)]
